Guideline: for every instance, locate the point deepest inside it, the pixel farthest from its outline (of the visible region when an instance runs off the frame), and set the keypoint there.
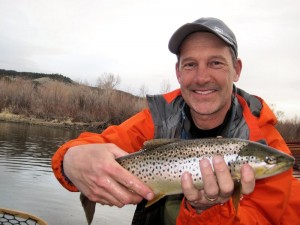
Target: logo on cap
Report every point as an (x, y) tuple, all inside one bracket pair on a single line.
[(219, 30)]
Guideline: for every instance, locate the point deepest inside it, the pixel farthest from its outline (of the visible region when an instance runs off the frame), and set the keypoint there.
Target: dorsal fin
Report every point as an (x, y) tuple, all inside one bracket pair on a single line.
[(155, 143)]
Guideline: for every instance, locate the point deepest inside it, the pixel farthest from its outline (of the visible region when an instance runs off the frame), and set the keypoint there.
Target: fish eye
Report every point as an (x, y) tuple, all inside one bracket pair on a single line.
[(270, 160)]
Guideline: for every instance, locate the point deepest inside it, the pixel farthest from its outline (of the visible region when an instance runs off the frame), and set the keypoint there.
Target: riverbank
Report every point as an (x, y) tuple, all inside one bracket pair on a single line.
[(66, 124)]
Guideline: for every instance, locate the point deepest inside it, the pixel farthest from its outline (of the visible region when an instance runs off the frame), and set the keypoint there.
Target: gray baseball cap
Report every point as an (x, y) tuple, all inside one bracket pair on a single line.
[(208, 24)]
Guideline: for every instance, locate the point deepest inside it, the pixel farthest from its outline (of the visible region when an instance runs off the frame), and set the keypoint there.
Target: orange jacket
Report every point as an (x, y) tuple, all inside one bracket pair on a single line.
[(273, 202)]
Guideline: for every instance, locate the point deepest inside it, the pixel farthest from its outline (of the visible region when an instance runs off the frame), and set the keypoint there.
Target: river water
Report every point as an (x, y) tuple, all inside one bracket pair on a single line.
[(28, 184)]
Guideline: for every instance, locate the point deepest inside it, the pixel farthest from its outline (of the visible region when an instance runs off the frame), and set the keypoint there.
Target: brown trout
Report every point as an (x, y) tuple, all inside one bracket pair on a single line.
[(161, 163)]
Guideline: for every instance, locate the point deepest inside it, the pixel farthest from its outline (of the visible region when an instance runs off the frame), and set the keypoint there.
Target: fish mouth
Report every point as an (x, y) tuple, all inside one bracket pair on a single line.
[(272, 170), (285, 162), (280, 167)]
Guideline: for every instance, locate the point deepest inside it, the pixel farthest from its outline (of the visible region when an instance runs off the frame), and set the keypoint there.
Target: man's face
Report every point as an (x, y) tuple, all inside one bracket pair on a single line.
[(206, 73)]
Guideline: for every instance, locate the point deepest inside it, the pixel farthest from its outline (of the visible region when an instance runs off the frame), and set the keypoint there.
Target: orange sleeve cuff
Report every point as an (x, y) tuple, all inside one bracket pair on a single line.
[(57, 165)]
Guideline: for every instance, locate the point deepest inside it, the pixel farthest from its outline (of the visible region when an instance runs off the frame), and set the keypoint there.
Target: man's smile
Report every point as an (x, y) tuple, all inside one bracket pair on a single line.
[(204, 92)]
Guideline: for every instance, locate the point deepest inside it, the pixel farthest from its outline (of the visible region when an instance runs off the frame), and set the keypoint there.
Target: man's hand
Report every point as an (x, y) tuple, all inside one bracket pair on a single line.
[(217, 184), (93, 170)]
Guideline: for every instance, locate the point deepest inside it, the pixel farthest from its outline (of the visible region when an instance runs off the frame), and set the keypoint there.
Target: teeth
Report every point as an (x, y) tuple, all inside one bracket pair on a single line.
[(204, 92)]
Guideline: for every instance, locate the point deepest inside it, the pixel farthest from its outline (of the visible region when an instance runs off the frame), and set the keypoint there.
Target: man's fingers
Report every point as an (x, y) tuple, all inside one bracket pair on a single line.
[(132, 183), (225, 182), (109, 192), (210, 184), (247, 179), (127, 187), (188, 188)]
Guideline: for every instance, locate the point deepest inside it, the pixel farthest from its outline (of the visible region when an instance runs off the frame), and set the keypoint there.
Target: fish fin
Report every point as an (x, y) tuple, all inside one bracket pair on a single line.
[(236, 195), (155, 199), (89, 208), (155, 143)]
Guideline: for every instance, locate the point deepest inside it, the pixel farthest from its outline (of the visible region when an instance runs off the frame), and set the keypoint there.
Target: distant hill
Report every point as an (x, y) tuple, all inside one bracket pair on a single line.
[(33, 76)]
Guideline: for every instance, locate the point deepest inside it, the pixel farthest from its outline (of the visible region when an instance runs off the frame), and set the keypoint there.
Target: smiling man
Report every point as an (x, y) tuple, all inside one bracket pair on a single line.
[(207, 105), (206, 72)]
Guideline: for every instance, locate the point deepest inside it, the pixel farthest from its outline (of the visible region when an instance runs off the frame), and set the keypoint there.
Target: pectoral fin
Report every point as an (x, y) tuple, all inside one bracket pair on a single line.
[(236, 195), (155, 199), (89, 208)]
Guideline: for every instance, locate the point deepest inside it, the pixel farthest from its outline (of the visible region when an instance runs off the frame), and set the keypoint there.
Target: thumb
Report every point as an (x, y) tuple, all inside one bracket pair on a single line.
[(116, 151)]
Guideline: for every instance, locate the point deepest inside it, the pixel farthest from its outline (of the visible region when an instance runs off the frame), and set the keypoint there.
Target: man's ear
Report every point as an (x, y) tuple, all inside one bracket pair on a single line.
[(238, 69)]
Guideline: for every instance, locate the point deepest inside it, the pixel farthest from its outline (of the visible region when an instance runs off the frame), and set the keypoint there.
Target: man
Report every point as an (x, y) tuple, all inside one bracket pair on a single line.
[(207, 105)]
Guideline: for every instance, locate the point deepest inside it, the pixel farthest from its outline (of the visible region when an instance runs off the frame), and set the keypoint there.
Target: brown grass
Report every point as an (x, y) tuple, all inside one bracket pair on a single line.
[(61, 103), (289, 129)]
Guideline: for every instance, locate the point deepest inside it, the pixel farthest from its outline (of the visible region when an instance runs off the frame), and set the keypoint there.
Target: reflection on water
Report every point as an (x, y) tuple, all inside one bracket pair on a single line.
[(28, 184), (25, 147)]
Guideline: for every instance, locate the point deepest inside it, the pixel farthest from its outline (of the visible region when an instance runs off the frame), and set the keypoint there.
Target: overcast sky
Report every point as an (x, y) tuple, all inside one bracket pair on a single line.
[(83, 39)]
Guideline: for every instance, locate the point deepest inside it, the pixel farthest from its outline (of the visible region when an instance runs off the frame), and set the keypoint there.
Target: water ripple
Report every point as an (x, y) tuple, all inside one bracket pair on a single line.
[(28, 184)]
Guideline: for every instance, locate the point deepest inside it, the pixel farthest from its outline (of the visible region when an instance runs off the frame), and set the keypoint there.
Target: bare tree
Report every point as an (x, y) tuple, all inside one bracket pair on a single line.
[(165, 86), (108, 81), (279, 114), (143, 91)]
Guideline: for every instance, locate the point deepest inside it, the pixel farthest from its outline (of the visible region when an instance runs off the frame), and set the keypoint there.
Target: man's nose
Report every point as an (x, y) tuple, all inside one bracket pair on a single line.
[(202, 74)]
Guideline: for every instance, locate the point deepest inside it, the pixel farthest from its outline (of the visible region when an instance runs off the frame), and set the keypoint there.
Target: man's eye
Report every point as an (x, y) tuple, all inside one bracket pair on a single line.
[(216, 64), (189, 66)]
